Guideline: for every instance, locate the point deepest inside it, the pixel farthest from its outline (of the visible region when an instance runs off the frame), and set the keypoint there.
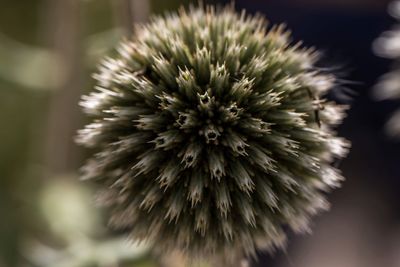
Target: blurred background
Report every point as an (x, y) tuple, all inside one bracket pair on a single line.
[(48, 50)]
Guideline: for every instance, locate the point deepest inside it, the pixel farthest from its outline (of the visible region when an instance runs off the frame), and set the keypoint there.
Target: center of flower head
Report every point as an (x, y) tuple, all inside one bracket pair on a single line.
[(208, 118), (208, 111)]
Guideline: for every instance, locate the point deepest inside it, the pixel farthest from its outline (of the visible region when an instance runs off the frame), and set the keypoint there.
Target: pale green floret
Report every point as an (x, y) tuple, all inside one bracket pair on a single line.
[(212, 134)]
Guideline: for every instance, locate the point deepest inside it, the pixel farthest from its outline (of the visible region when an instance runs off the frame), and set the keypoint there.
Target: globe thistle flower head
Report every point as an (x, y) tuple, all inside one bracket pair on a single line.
[(212, 134)]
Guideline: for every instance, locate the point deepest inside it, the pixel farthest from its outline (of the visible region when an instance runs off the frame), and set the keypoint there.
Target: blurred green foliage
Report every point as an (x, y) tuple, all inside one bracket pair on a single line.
[(19, 19)]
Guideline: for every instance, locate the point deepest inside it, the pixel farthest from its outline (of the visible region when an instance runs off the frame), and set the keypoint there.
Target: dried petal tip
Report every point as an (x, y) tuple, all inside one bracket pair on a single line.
[(212, 134)]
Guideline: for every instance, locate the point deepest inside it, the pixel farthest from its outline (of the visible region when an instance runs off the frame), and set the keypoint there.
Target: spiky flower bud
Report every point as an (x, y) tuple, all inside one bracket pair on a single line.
[(212, 134), (388, 46)]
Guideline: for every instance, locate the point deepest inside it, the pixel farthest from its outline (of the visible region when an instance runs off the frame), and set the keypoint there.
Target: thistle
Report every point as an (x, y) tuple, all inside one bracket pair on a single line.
[(388, 46), (212, 134)]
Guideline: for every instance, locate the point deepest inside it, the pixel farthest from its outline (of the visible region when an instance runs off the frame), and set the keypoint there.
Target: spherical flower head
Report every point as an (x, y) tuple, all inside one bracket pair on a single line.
[(212, 134)]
